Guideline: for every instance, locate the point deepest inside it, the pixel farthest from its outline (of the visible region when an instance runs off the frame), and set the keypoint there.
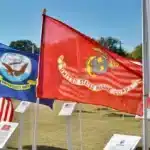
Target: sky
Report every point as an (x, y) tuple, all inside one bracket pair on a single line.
[(22, 19)]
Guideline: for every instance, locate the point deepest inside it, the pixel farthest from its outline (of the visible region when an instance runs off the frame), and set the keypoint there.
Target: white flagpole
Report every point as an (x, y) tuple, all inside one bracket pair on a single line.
[(145, 62), (80, 123), (21, 121), (36, 110), (69, 130), (21, 117), (34, 145), (78, 63), (123, 116)]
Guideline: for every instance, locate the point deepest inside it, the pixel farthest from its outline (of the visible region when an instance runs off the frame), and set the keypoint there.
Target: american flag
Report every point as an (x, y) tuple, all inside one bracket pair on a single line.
[(6, 109)]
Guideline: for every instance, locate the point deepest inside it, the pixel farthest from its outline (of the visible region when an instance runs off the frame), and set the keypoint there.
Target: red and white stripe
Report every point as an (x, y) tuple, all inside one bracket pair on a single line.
[(6, 109)]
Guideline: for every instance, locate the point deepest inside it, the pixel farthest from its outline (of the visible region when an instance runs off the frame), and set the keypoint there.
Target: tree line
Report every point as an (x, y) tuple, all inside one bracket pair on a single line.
[(113, 44)]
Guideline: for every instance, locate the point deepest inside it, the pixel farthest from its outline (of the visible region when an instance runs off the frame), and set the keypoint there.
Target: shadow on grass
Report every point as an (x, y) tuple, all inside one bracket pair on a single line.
[(118, 115), (140, 148), (84, 111), (42, 147), (103, 108), (39, 147)]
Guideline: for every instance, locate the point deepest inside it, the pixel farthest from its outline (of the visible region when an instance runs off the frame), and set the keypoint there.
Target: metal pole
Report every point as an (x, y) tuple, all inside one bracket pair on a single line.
[(69, 141), (34, 145), (20, 131), (21, 120), (80, 128), (33, 50), (145, 72), (36, 110)]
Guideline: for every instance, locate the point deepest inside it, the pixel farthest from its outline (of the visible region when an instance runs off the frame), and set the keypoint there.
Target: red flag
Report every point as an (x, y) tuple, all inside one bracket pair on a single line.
[(6, 109), (76, 68)]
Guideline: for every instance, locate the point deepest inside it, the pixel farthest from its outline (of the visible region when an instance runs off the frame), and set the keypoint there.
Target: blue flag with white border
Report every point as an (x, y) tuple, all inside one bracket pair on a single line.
[(18, 74)]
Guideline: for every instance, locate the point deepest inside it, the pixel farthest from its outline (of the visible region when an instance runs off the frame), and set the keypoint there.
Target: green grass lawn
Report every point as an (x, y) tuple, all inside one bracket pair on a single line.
[(98, 125)]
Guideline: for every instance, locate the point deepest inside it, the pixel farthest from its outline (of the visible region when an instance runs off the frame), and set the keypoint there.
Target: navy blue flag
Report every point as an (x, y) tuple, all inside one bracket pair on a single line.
[(18, 74)]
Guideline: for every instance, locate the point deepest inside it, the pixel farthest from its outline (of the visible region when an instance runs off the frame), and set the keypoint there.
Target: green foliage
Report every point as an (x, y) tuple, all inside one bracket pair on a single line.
[(24, 45), (137, 52), (113, 44)]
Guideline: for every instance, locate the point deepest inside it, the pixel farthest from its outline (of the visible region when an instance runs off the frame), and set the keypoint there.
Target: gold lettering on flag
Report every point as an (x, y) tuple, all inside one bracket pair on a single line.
[(94, 87), (16, 86)]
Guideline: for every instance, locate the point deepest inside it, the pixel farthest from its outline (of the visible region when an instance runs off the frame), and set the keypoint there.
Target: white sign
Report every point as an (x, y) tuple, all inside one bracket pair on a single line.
[(6, 130), (67, 109), (23, 106), (141, 117), (122, 142)]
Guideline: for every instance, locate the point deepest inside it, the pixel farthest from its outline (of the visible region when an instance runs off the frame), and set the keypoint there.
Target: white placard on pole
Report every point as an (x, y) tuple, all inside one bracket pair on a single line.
[(6, 130), (22, 107), (122, 142), (67, 110)]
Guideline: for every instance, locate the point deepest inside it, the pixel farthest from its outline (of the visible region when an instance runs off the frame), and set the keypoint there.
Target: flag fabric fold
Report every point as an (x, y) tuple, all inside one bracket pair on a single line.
[(74, 67), (18, 74)]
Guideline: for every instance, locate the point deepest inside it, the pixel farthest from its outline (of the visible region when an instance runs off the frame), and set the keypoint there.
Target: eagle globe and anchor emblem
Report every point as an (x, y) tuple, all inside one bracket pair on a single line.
[(15, 67), (97, 65)]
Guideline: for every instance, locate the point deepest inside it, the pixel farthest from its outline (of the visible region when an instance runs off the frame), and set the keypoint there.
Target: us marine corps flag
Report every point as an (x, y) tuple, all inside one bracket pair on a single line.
[(76, 68)]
